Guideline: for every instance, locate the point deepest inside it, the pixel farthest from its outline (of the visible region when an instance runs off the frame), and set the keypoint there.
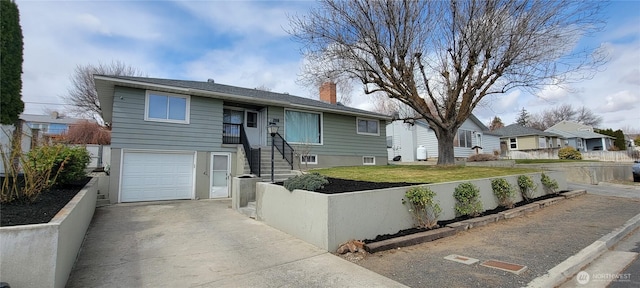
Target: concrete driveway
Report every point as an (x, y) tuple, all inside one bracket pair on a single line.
[(204, 243)]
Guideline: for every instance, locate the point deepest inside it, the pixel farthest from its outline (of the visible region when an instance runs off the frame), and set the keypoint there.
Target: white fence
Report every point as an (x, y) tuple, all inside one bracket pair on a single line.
[(612, 156), (100, 155), (605, 156)]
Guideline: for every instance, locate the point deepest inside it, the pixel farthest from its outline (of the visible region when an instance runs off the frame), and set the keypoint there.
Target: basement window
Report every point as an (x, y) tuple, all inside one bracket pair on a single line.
[(368, 160), (308, 159)]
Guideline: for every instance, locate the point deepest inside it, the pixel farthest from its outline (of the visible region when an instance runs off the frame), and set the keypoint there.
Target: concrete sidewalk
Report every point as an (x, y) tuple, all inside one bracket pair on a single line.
[(204, 244)]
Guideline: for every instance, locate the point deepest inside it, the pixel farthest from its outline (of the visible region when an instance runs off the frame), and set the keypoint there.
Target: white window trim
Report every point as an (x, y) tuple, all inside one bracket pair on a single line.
[(315, 157), (304, 111), (516, 142), (470, 140), (186, 115), (365, 133), (373, 157)]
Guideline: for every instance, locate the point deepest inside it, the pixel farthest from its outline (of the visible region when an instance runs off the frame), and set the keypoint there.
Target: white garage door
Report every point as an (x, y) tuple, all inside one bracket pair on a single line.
[(148, 176)]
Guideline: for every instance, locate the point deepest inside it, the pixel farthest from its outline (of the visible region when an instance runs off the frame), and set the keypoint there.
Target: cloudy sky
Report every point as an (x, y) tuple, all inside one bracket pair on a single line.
[(244, 43)]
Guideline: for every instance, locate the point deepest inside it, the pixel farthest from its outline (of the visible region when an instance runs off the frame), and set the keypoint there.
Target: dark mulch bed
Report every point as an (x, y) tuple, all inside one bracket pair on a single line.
[(457, 219), (336, 185), (42, 210)]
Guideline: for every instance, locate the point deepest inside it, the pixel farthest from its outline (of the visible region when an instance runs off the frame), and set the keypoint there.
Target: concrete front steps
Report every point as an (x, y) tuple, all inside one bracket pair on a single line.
[(250, 210), (282, 170), (102, 200)]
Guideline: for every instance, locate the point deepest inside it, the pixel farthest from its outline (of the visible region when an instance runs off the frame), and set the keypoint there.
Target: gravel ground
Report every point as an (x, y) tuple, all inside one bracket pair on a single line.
[(539, 240)]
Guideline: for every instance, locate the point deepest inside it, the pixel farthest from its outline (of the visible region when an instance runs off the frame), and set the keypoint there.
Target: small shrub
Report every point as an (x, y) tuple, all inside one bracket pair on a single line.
[(73, 161), (467, 198), (309, 182), (482, 157), (550, 185), (527, 187), (39, 173), (569, 153), (424, 210), (503, 191)]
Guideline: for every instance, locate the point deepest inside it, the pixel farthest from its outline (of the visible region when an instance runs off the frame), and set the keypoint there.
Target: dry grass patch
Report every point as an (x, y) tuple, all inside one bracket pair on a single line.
[(419, 173)]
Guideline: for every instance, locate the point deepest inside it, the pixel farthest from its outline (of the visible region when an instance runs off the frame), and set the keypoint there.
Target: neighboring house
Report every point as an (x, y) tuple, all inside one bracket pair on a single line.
[(629, 140), (54, 124), (515, 137), (581, 136), (176, 139), (404, 139)]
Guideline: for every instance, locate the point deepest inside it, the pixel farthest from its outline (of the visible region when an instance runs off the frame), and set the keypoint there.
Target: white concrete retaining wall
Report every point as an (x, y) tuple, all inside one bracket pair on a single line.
[(42, 255), (588, 172), (328, 220)]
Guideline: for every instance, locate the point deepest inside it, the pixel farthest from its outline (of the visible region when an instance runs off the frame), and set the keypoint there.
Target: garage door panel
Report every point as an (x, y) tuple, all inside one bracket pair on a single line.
[(149, 176)]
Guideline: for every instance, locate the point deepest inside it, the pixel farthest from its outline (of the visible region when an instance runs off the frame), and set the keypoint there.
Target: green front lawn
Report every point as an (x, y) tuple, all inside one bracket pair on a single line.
[(418, 173)]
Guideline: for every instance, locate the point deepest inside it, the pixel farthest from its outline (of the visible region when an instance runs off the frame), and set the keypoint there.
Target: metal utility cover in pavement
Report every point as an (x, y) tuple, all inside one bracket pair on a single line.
[(505, 266), (461, 259)]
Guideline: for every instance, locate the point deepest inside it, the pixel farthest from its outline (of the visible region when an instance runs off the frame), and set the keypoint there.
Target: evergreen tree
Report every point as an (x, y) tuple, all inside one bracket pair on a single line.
[(11, 49), (523, 118), (619, 142)]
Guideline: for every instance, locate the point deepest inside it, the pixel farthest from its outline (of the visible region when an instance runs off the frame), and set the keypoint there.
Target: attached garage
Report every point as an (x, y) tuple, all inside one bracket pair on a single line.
[(157, 175)]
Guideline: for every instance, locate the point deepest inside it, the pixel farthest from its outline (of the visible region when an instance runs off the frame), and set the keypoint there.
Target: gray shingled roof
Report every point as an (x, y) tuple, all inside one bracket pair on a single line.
[(515, 130), (248, 92), (578, 134)]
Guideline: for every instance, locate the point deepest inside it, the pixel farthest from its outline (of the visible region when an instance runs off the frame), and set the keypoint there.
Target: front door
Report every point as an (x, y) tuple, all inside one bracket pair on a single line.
[(252, 124), (220, 175)]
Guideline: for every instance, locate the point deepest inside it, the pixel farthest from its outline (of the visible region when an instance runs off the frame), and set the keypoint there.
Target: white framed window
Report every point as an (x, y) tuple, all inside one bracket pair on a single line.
[(463, 139), (252, 119), (308, 159), (579, 141), (165, 107), (301, 127), (368, 126), (513, 143), (368, 160)]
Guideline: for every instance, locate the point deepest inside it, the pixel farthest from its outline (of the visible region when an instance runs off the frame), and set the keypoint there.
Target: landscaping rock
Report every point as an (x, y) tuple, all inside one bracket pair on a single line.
[(352, 246)]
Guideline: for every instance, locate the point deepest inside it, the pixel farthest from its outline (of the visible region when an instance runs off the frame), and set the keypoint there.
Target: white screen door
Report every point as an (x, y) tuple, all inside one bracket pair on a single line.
[(220, 164)]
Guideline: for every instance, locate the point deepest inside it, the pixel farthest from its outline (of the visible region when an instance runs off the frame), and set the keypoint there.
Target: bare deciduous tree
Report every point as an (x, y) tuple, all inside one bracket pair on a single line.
[(552, 116), (441, 58), (82, 95)]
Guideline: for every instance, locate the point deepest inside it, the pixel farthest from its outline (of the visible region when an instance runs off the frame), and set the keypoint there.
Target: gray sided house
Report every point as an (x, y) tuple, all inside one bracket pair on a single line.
[(515, 137), (176, 139), (581, 136), (404, 139)]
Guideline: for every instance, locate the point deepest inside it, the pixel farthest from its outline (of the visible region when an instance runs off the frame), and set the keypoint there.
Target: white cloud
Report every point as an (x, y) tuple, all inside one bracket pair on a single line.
[(621, 101), (245, 44)]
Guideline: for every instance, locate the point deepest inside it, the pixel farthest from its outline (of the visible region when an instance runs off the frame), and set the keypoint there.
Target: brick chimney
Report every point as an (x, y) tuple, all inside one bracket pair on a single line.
[(328, 92)]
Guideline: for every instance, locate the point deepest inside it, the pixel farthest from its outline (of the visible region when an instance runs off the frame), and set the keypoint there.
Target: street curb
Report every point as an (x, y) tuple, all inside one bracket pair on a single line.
[(565, 270)]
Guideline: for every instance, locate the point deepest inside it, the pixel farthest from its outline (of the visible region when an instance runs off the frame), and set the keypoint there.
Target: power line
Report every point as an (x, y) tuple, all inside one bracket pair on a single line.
[(44, 103)]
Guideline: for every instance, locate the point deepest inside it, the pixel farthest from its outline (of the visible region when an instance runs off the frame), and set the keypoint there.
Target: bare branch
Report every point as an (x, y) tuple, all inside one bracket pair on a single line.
[(82, 95), (442, 58)]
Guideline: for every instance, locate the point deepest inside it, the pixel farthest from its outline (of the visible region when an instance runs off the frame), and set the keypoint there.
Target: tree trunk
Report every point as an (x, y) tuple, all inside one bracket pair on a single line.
[(445, 145), (16, 147)]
